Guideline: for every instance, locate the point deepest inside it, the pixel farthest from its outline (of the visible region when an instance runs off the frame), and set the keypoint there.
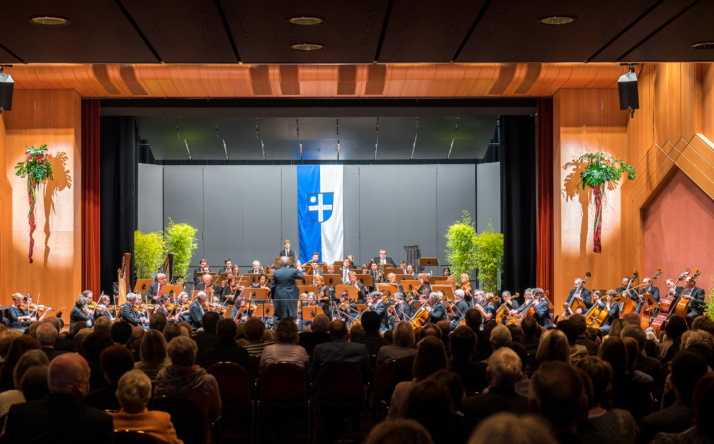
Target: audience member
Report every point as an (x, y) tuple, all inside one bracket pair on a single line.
[(254, 329), (702, 432), (152, 354), (339, 350), (319, 334), (511, 429), (207, 338), (121, 333), (557, 395), (286, 348), (403, 344), (31, 358), (226, 349), (500, 336), (463, 349), (577, 352), (115, 361), (399, 431), (430, 404), (645, 364), (46, 335), (19, 346), (627, 392), (583, 338), (371, 322)]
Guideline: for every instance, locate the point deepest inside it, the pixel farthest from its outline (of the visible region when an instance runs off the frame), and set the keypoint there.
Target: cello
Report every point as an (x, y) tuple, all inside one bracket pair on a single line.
[(665, 305), (576, 303), (648, 303), (629, 305)]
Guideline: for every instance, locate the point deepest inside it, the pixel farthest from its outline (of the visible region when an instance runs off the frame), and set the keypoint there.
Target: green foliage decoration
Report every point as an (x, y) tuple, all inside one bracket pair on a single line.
[(148, 253), (460, 241), (709, 308), (181, 241), (489, 258), (603, 169)]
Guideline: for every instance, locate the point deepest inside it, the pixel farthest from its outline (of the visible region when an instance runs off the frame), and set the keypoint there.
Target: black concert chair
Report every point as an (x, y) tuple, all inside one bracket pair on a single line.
[(382, 377), (134, 437), (254, 375), (234, 386), (283, 402), (339, 393), (185, 417)]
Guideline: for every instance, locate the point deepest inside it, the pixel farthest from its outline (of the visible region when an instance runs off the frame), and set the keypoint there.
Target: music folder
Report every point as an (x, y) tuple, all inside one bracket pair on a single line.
[(409, 285), (255, 293)]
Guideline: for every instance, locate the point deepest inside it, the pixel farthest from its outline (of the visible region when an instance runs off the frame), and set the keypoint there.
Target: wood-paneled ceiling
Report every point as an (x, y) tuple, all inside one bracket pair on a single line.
[(354, 32)]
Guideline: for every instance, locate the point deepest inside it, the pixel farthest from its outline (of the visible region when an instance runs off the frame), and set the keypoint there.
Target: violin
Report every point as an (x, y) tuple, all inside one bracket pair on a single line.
[(466, 288), (92, 305)]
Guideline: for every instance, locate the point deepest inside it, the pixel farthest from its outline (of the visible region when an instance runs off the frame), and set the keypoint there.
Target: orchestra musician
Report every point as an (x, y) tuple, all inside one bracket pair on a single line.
[(271, 269), (361, 289), (374, 272), (392, 279), (696, 299), (542, 308), (315, 257), (330, 269), (182, 309), (401, 309), (490, 308), (424, 287), (631, 293), (240, 304), (479, 297), (287, 252), (647, 287), (207, 284), (511, 304), (403, 266), (446, 271), (155, 287), (18, 314), (582, 294), (103, 308), (410, 270), (306, 300), (196, 311), (323, 294), (256, 268), (527, 302), (161, 305), (383, 258), (262, 282), (613, 308), (377, 305), (315, 269), (435, 308), (202, 268), (128, 314), (346, 309), (459, 308), (229, 291), (346, 271), (235, 271), (80, 312), (228, 265)]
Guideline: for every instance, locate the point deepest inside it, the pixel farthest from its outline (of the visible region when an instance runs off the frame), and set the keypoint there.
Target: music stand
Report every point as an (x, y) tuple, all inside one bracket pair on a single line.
[(352, 292), (306, 279), (365, 279), (332, 279), (243, 281), (428, 262), (389, 288), (217, 278), (255, 294), (308, 289), (438, 278), (401, 277), (277, 260), (209, 294), (172, 290), (360, 308), (263, 311), (448, 291), (142, 285), (392, 270), (253, 277), (309, 313), (409, 285)]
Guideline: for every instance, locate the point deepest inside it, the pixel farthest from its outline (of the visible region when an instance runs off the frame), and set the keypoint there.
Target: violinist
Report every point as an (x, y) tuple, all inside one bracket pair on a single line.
[(613, 309), (581, 293), (102, 309), (128, 313), (323, 294), (181, 311), (229, 291), (377, 304), (436, 309), (460, 308), (161, 306), (347, 309), (330, 269), (400, 309), (271, 269), (424, 287), (240, 307), (196, 312), (19, 314), (155, 288), (466, 286), (542, 308), (308, 300), (261, 283), (392, 279), (361, 289), (80, 313), (446, 271), (479, 298), (207, 284)]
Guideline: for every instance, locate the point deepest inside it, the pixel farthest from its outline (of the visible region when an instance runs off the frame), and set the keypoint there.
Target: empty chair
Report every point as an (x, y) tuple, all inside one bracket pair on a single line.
[(234, 386), (283, 395), (339, 393)]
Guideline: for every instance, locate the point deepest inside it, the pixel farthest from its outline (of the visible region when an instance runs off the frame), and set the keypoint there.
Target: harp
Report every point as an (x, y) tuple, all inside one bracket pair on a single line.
[(168, 268), (123, 278)]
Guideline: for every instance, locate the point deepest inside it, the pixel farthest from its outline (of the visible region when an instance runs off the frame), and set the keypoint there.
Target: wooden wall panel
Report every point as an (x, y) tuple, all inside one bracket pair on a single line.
[(49, 117), (6, 210)]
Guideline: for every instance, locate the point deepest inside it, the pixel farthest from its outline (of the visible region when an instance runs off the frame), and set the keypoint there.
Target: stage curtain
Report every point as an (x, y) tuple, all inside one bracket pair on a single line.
[(544, 263), (91, 250), (518, 201), (119, 145)]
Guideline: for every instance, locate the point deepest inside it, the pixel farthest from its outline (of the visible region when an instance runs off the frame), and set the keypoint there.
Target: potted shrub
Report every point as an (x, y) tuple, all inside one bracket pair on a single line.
[(181, 241), (148, 253)]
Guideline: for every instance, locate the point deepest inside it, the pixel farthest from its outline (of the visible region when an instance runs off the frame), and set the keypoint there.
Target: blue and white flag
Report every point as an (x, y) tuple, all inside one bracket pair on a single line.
[(320, 212)]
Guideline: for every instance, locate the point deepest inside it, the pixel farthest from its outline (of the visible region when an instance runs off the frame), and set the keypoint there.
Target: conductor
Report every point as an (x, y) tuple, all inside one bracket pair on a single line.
[(284, 291)]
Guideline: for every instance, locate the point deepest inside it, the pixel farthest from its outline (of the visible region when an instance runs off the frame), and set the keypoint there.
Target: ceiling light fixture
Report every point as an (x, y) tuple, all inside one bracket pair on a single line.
[(307, 47), (703, 45), (305, 21), (556, 20), (51, 21)]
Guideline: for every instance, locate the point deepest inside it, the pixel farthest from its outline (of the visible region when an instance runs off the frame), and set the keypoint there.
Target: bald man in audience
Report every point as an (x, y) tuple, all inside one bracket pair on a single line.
[(61, 417)]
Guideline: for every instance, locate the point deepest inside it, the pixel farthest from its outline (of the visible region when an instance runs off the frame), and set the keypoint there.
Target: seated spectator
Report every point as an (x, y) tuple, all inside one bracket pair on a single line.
[(553, 347), (226, 349), (158, 321), (31, 358), (399, 431), (703, 429), (357, 333), (403, 344), (628, 392), (61, 343), (700, 341), (371, 338), (704, 323), (517, 334), (583, 338), (577, 352), (46, 335), (60, 416), (254, 329), (530, 339), (430, 404), (503, 371), (103, 324), (522, 387), (133, 393), (286, 348), (430, 358), (121, 333), (557, 395), (19, 346), (92, 348), (173, 331), (675, 328), (500, 336), (318, 335), (509, 428), (34, 384), (463, 350), (688, 367), (207, 337), (645, 364), (115, 361), (153, 354), (339, 350), (135, 341), (617, 424), (184, 379)]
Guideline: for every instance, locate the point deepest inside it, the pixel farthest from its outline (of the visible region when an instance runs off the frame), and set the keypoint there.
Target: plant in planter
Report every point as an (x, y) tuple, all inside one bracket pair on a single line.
[(489, 257), (181, 241), (460, 240), (601, 171), (148, 253), (37, 167)]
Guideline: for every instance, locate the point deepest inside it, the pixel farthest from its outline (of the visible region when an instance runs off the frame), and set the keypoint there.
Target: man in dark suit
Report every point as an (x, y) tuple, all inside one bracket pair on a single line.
[(127, 310), (383, 258), (696, 299), (207, 284), (628, 293), (284, 291), (361, 289), (46, 335), (647, 287), (318, 335), (542, 309), (225, 349), (435, 307), (581, 293), (61, 416), (339, 350), (287, 252), (503, 371), (155, 288), (195, 311)]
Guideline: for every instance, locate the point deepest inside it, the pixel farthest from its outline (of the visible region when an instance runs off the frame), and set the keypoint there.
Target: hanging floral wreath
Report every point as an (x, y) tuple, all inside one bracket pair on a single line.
[(37, 167), (600, 172)]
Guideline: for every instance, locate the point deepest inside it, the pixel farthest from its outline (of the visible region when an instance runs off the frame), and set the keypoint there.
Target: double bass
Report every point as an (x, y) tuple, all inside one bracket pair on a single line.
[(665, 305), (629, 305), (648, 303), (576, 303)]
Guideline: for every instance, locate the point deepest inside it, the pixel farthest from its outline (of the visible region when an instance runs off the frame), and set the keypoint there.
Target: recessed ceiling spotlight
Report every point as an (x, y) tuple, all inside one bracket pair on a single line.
[(307, 46), (305, 21), (51, 21), (703, 45), (556, 20)]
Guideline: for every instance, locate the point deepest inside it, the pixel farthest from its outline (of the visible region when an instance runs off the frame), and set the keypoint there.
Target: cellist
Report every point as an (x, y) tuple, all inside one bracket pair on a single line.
[(696, 299), (612, 308)]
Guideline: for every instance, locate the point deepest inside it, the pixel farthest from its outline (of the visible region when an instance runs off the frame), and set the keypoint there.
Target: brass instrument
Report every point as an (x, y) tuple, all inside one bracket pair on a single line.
[(381, 272)]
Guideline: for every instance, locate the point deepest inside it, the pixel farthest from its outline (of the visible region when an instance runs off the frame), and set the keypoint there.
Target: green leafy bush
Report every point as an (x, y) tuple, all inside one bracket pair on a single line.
[(148, 253), (489, 257), (460, 241), (181, 241), (709, 308)]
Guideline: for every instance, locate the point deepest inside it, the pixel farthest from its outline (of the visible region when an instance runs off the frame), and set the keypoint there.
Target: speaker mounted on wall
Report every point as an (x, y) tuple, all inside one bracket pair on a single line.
[(627, 87), (6, 87)]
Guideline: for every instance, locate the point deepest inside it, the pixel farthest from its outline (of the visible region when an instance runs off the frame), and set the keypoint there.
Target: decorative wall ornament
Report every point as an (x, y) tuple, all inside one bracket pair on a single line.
[(37, 167)]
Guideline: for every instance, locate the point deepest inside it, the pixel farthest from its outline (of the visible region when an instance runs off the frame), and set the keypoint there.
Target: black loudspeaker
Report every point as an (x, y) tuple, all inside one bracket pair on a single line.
[(6, 87), (627, 87)]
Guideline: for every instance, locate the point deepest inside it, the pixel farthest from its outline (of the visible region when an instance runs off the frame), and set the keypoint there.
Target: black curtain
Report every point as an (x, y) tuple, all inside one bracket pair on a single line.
[(518, 201), (119, 141)]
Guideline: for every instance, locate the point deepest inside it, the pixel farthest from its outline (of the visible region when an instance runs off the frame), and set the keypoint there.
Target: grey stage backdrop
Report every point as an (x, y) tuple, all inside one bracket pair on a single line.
[(243, 212)]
